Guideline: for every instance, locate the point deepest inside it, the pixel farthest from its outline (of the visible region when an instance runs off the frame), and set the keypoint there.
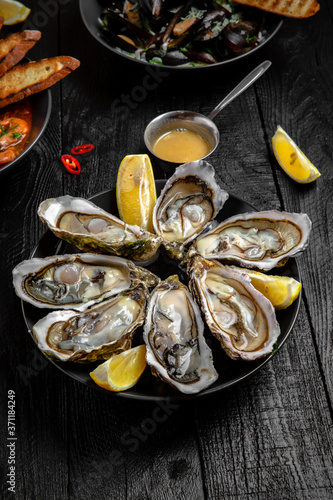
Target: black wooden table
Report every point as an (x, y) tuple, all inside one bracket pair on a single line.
[(269, 437)]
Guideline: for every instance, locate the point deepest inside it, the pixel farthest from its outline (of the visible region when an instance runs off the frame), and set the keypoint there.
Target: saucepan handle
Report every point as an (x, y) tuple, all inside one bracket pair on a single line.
[(243, 85)]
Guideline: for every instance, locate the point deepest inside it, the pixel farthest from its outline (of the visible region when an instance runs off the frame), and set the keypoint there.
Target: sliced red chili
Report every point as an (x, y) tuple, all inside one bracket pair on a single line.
[(82, 149), (71, 164)]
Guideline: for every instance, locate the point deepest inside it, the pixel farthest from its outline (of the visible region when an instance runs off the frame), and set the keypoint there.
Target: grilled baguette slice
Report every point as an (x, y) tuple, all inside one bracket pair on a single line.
[(14, 48), (32, 77), (290, 8)]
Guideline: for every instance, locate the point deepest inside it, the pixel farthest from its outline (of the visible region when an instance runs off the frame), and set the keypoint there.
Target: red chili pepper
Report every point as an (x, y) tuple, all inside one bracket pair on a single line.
[(82, 149), (72, 164)]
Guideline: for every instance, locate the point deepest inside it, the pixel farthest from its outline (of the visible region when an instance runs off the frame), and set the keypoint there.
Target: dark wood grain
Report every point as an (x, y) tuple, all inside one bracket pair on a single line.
[(270, 437)]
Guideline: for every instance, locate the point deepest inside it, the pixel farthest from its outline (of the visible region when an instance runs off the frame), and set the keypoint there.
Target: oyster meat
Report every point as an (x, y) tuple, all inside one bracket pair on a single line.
[(91, 229), (259, 240), (188, 203), (174, 335), (76, 281), (239, 316), (102, 330)]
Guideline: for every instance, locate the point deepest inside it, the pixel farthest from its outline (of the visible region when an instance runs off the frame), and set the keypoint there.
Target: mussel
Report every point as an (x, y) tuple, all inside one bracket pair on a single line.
[(240, 37), (176, 34)]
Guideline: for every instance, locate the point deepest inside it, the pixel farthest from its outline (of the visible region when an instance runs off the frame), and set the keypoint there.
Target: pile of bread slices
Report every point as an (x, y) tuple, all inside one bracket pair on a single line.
[(18, 81)]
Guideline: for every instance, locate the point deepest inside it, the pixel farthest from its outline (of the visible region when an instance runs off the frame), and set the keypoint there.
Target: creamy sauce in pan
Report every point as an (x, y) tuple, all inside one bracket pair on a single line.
[(181, 146)]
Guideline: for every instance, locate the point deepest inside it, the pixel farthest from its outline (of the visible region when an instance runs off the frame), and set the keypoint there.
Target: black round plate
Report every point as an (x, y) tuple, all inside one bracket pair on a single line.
[(41, 105), (91, 10), (150, 388)]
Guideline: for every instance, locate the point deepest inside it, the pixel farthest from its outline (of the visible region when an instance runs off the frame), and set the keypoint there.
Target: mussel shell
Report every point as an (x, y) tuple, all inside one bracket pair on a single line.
[(211, 27), (120, 41), (153, 8), (175, 58), (240, 37), (114, 21), (201, 55)]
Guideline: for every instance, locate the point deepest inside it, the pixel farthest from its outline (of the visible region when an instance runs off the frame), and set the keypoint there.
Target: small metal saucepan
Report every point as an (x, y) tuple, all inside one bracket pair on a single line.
[(196, 122)]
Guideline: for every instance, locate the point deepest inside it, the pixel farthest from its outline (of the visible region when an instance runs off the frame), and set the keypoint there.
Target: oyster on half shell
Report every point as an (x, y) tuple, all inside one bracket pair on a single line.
[(239, 316), (258, 240), (102, 330), (174, 336), (92, 229), (188, 203), (76, 281)]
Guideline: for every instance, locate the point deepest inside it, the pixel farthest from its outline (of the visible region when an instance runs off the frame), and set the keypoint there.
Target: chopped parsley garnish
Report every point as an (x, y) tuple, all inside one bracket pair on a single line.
[(232, 6), (275, 348), (154, 61), (194, 13), (250, 38)]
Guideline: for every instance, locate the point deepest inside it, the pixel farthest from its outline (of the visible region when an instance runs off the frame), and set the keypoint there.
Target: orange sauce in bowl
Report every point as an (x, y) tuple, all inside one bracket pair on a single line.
[(181, 146), (15, 129)]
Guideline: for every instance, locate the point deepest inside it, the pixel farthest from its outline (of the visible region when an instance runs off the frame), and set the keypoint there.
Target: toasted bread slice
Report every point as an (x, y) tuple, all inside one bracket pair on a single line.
[(32, 77), (290, 8), (14, 48), (1, 21)]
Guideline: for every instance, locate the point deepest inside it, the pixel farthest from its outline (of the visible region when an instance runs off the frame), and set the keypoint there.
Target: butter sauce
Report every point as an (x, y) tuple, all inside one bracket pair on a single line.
[(181, 146)]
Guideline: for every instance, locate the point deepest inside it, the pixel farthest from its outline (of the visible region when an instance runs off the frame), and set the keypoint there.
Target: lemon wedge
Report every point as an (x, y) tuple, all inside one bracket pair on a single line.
[(136, 191), (291, 158), (280, 290), (122, 371), (13, 12)]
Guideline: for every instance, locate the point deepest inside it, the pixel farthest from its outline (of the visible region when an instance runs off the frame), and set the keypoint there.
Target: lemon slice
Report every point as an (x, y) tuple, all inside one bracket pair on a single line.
[(13, 12), (136, 191), (280, 290), (291, 158), (122, 371)]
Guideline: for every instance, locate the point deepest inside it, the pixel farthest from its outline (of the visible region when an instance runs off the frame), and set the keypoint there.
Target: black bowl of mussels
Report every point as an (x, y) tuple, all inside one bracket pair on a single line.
[(179, 35)]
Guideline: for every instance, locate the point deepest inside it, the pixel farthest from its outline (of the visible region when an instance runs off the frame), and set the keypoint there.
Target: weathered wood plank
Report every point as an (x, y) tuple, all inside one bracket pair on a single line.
[(300, 105), (130, 450), (274, 438)]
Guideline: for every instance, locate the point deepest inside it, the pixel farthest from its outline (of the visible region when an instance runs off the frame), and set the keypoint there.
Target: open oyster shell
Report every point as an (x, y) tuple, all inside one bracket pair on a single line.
[(95, 334), (176, 348), (91, 229), (239, 316), (259, 240), (76, 281), (188, 203)]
